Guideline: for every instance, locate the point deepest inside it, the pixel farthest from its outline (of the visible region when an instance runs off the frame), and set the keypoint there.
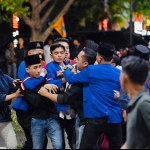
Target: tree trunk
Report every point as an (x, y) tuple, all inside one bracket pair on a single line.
[(36, 23)]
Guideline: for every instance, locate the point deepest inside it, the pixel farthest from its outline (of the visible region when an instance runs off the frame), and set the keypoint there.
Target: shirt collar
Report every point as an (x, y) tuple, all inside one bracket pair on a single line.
[(137, 97)]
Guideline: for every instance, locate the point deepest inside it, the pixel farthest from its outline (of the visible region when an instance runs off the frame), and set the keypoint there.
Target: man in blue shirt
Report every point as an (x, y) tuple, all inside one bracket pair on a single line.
[(100, 108), (23, 112)]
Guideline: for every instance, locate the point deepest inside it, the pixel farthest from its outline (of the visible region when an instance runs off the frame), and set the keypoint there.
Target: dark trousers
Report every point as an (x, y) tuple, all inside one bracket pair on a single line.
[(124, 131), (113, 133), (67, 125), (93, 128), (24, 119)]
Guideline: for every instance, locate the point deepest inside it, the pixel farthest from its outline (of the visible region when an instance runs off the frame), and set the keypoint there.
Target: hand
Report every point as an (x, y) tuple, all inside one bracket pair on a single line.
[(16, 81), (124, 114), (51, 87), (116, 94), (60, 73), (70, 67), (124, 146), (62, 89), (43, 91), (64, 80), (74, 70), (43, 71), (18, 93), (12, 59)]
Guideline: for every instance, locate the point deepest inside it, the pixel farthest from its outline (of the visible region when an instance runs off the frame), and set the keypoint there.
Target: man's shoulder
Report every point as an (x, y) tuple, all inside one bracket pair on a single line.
[(51, 64)]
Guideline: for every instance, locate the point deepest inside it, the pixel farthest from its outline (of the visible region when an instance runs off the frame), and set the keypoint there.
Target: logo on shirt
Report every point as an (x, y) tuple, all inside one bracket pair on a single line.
[(38, 45)]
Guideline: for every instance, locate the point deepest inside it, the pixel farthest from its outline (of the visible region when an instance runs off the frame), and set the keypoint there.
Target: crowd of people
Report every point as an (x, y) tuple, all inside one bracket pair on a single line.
[(93, 95)]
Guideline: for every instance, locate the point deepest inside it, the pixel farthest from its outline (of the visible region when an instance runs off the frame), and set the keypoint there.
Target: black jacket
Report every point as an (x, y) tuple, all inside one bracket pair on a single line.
[(74, 97), (41, 107)]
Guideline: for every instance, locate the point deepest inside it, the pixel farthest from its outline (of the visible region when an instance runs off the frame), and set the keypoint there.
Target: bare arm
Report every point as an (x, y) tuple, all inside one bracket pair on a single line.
[(14, 95), (45, 93), (124, 146)]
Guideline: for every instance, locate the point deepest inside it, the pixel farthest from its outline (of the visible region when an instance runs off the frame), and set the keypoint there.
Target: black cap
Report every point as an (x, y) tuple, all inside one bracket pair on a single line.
[(32, 60), (35, 45), (106, 49), (141, 51)]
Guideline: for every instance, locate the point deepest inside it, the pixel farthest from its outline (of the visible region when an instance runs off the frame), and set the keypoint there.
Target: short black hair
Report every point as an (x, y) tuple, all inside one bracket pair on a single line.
[(116, 60), (91, 44), (61, 40), (56, 45), (136, 68), (89, 56)]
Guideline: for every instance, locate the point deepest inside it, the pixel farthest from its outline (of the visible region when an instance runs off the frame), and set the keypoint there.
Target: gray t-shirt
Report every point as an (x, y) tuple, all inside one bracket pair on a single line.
[(138, 124)]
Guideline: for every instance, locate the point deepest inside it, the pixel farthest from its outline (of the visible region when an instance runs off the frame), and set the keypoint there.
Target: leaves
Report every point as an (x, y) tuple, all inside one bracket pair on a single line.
[(9, 7)]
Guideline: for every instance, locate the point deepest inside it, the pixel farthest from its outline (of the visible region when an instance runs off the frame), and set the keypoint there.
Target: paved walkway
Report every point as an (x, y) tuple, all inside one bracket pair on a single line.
[(49, 146)]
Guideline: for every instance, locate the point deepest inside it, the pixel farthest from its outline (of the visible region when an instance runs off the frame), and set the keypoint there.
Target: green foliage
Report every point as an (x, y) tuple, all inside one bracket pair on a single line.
[(18, 130), (9, 7), (118, 11)]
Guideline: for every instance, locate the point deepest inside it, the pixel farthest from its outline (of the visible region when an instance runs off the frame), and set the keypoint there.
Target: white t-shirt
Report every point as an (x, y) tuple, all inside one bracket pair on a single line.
[(47, 54)]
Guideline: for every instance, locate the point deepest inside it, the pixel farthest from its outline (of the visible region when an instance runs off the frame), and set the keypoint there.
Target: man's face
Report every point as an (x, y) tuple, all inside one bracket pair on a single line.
[(49, 42), (80, 61), (67, 51), (11, 45), (36, 51), (58, 55), (98, 58), (34, 70), (76, 43), (21, 41)]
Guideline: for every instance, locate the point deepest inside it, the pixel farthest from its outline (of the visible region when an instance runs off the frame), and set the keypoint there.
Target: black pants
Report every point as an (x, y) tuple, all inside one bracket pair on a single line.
[(124, 131), (93, 128), (24, 119), (114, 135), (68, 125)]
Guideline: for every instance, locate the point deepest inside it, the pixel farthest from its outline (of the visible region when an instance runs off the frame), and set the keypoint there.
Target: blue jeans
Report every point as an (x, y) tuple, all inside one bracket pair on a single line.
[(78, 131), (50, 126)]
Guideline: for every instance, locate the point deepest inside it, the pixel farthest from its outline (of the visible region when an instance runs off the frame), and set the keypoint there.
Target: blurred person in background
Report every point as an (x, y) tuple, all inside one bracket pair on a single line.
[(47, 50), (20, 51), (6, 95), (11, 60), (77, 48)]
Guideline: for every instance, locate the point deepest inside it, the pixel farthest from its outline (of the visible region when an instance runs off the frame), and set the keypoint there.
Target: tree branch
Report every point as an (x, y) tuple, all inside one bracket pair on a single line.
[(48, 12), (27, 20), (42, 5), (63, 12), (34, 3)]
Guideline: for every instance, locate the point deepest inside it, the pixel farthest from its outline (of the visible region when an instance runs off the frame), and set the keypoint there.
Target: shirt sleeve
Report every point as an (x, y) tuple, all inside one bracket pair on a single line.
[(123, 100), (33, 98), (144, 108), (51, 78), (22, 74), (81, 77), (69, 95), (2, 96), (7, 54), (10, 82), (31, 83)]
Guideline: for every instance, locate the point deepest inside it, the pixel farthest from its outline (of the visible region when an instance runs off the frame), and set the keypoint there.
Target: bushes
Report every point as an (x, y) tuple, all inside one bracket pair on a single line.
[(18, 130)]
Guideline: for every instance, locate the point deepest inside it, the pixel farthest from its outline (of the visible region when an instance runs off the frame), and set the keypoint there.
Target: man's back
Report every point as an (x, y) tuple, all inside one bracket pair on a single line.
[(138, 125), (99, 83)]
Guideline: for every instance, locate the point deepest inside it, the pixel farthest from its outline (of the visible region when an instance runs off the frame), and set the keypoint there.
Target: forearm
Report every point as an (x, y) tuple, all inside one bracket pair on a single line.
[(124, 146), (52, 97), (10, 97)]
